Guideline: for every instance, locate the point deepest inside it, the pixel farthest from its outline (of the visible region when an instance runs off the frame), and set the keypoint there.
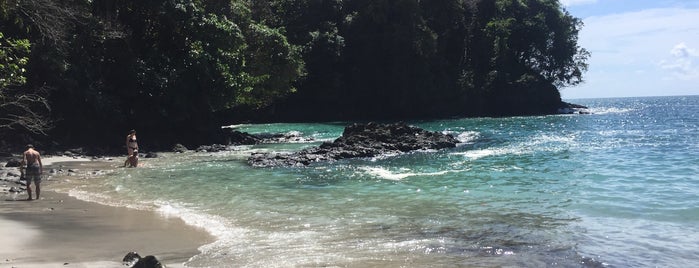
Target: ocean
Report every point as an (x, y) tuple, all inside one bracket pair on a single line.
[(615, 188)]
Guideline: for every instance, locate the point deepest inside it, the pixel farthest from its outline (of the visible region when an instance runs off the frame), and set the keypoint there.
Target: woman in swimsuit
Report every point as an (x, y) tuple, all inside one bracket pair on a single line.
[(131, 143)]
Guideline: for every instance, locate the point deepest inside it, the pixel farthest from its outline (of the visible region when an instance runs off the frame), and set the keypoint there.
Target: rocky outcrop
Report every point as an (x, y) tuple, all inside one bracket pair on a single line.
[(361, 140), (134, 260), (241, 138), (571, 108), (13, 163)]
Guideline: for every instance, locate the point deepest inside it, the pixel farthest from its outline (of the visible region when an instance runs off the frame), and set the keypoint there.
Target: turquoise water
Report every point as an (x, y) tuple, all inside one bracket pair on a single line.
[(617, 188)]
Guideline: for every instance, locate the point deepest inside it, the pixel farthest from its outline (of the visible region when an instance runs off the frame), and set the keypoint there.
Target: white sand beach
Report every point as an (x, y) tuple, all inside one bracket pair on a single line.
[(61, 231)]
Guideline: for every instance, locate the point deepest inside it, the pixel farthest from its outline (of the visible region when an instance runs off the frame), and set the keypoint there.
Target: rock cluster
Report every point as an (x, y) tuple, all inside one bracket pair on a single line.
[(571, 108), (134, 260), (236, 138), (361, 140)]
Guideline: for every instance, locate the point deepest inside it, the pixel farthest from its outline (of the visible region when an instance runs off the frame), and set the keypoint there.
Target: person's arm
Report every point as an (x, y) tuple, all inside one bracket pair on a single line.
[(22, 167), (41, 166)]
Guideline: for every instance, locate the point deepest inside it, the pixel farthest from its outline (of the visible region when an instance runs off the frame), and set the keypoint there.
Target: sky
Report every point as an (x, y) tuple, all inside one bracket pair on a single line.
[(637, 47)]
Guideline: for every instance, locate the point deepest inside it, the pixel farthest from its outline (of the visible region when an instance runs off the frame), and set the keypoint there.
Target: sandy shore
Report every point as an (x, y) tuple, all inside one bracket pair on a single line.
[(61, 231)]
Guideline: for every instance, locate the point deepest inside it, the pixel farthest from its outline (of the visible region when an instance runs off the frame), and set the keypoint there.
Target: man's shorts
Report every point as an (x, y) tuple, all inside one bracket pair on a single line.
[(33, 174)]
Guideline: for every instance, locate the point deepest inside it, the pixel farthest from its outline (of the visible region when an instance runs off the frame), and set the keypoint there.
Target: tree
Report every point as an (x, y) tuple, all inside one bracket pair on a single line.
[(23, 111), (537, 36), (386, 59), (178, 66), (521, 53)]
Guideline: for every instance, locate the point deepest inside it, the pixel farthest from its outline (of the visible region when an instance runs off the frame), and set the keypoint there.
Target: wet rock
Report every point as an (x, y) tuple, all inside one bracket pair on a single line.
[(149, 261), (361, 140), (179, 148), (572, 108), (292, 136), (13, 163), (241, 138), (212, 148), (131, 258), (14, 189), (134, 260)]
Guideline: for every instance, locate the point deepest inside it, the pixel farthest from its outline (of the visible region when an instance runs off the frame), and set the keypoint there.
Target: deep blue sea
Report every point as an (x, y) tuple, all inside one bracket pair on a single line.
[(615, 188)]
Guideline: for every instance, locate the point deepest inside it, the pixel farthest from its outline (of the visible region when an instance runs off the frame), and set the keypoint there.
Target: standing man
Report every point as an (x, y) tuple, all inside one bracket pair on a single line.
[(32, 159)]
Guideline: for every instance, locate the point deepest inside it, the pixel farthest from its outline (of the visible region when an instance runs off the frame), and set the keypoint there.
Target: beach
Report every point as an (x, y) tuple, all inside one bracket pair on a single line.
[(62, 231)]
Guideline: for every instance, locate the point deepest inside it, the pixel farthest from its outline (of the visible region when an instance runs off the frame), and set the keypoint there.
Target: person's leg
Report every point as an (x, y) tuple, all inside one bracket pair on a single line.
[(29, 187), (38, 189)]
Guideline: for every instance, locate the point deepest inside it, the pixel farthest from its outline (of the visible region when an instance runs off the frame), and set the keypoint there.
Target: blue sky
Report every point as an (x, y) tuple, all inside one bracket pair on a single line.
[(638, 47)]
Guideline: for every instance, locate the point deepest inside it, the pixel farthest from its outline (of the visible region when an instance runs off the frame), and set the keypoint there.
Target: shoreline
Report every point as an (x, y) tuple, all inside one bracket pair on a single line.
[(62, 231)]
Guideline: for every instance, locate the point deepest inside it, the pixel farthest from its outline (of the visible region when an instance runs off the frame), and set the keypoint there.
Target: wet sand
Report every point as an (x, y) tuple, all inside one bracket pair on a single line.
[(62, 231)]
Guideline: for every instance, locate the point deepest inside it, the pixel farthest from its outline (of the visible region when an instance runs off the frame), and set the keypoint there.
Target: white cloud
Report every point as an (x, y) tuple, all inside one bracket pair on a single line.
[(683, 64), (642, 53), (682, 51), (643, 34)]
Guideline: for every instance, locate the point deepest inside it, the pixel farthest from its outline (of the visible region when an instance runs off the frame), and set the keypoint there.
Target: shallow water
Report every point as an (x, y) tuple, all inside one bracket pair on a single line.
[(616, 188)]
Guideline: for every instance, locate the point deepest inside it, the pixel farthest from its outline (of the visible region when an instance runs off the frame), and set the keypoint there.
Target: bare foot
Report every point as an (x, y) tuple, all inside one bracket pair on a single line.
[(29, 199)]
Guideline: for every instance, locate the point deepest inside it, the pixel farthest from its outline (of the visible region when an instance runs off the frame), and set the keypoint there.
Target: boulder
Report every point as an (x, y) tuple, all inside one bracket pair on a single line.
[(292, 136), (572, 108), (149, 261), (134, 260), (361, 140), (13, 163), (212, 148), (131, 258), (241, 138), (179, 148)]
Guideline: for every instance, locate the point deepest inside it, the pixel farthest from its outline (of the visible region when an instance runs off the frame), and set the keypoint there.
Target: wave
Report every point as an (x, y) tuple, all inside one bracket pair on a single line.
[(481, 153), (386, 174), (236, 126), (217, 226), (104, 199), (468, 136), (609, 110), (541, 142)]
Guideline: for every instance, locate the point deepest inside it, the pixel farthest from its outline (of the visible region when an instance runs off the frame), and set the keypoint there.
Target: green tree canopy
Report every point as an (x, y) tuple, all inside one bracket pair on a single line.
[(176, 70)]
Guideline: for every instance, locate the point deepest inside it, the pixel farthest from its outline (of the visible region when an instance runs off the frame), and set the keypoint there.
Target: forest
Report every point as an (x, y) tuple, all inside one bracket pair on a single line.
[(84, 72)]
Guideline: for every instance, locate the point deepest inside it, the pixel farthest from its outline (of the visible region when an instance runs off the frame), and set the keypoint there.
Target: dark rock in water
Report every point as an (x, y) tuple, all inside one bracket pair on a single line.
[(361, 140), (212, 148), (149, 261), (179, 148), (75, 152), (14, 189), (13, 163), (151, 155), (131, 258), (292, 136), (241, 138), (571, 108)]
